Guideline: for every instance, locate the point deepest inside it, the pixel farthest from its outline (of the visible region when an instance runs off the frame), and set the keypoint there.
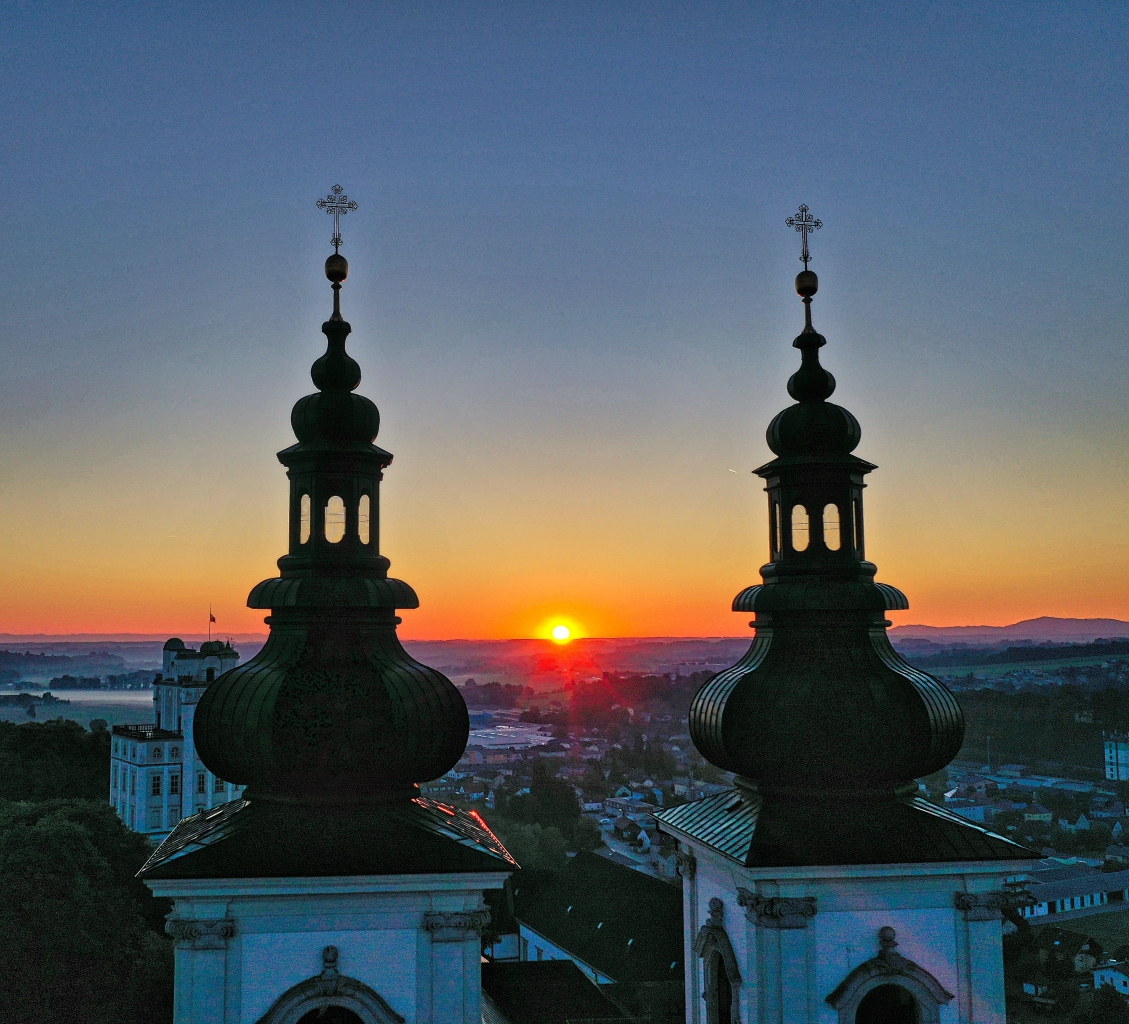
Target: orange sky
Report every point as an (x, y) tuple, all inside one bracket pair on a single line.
[(504, 542)]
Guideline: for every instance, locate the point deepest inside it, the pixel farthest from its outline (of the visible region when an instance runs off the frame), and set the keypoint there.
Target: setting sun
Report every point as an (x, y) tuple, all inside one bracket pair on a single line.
[(561, 634)]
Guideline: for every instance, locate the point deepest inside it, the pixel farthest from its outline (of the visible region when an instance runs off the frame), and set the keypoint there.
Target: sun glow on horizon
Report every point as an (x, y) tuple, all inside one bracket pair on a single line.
[(560, 634)]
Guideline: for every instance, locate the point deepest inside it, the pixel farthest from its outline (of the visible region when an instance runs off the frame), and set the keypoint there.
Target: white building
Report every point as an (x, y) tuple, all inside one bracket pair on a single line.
[(1082, 890), (156, 777), (1116, 756), (1115, 974)]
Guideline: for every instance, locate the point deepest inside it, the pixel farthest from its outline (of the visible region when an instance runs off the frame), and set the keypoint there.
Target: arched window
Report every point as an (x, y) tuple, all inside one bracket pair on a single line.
[(857, 503), (722, 973), (304, 519), (774, 530), (723, 994), (334, 519), (363, 519), (831, 526), (330, 998), (331, 1015), (888, 1004), (800, 528), (889, 989)]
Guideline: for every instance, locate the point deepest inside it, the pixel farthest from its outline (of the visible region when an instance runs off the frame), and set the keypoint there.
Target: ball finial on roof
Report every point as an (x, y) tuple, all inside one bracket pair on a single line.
[(337, 268)]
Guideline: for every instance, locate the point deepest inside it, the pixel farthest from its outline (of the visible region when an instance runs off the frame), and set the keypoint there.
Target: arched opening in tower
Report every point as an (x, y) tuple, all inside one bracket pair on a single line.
[(723, 991), (331, 1015), (888, 1004)]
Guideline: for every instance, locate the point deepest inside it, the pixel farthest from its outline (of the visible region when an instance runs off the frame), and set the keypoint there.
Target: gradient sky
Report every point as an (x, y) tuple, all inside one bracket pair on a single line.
[(571, 297)]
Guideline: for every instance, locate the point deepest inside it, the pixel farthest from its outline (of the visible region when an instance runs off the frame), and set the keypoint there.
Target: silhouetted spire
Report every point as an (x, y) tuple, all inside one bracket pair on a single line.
[(821, 707), (333, 709)]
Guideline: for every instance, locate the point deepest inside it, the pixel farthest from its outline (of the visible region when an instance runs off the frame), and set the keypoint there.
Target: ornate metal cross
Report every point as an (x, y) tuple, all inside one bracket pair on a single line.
[(339, 205), (804, 223)]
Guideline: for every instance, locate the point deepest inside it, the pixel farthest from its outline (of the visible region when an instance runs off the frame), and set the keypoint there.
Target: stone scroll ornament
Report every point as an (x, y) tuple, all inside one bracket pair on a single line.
[(200, 934), (776, 911), (991, 906), (455, 926)]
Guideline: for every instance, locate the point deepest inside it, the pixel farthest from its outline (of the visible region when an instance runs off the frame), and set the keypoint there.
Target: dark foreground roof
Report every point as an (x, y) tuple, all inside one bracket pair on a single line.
[(257, 839), (623, 923), (543, 992), (911, 831)]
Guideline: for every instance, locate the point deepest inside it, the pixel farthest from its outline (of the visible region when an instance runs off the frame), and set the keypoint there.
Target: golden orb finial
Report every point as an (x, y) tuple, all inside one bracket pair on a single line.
[(337, 268)]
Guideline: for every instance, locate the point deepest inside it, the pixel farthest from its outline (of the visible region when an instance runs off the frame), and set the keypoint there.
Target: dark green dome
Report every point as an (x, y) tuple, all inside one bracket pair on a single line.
[(814, 428), (332, 709), (822, 703)]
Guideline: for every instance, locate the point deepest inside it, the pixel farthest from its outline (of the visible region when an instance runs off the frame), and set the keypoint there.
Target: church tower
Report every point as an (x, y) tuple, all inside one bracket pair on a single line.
[(823, 889), (332, 891)]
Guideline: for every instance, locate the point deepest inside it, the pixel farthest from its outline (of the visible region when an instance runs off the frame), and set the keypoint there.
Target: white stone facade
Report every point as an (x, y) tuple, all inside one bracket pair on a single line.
[(806, 945), (393, 948), (156, 777)]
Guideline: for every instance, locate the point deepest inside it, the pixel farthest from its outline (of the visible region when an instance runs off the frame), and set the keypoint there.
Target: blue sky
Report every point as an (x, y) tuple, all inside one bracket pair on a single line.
[(571, 297)]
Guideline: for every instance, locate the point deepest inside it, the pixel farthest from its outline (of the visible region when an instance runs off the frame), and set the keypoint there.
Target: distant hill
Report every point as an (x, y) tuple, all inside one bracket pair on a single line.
[(1024, 654), (544, 664), (1046, 629)]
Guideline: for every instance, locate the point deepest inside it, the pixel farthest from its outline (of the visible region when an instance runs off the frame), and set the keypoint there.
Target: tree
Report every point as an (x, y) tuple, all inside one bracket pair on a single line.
[(42, 760), (1105, 1006), (532, 846), (551, 801), (586, 835), (74, 921)]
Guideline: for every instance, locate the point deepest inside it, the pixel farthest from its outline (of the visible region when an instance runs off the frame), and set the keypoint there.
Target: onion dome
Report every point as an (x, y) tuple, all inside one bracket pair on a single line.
[(823, 723), (332, 709), (822, 707)]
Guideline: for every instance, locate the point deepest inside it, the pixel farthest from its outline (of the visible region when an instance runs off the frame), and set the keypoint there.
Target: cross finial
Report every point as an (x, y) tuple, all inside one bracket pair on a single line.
[(804, 223), (339, 205)]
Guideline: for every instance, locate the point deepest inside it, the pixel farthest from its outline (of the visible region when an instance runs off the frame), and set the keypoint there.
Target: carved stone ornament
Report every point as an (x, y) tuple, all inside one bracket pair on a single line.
[(330, 988), (889, 967), (687, 863), (455, 926), (990, 906), (200, 934), (776, 911)]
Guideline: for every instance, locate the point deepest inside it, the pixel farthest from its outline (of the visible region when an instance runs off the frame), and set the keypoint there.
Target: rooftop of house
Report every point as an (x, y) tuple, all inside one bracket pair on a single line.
[(1057, 872), (623, 923), (145, 733), (542, 992), (1064, 942), (1084, 884)]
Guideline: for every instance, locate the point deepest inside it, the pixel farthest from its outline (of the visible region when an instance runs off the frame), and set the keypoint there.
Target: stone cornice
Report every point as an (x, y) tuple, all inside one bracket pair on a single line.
[(782, 912), (989, 906), (455, 926), (200, 934)]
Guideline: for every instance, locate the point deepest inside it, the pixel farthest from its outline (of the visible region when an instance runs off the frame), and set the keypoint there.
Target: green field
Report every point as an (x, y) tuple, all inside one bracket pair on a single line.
[(991, 671)]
